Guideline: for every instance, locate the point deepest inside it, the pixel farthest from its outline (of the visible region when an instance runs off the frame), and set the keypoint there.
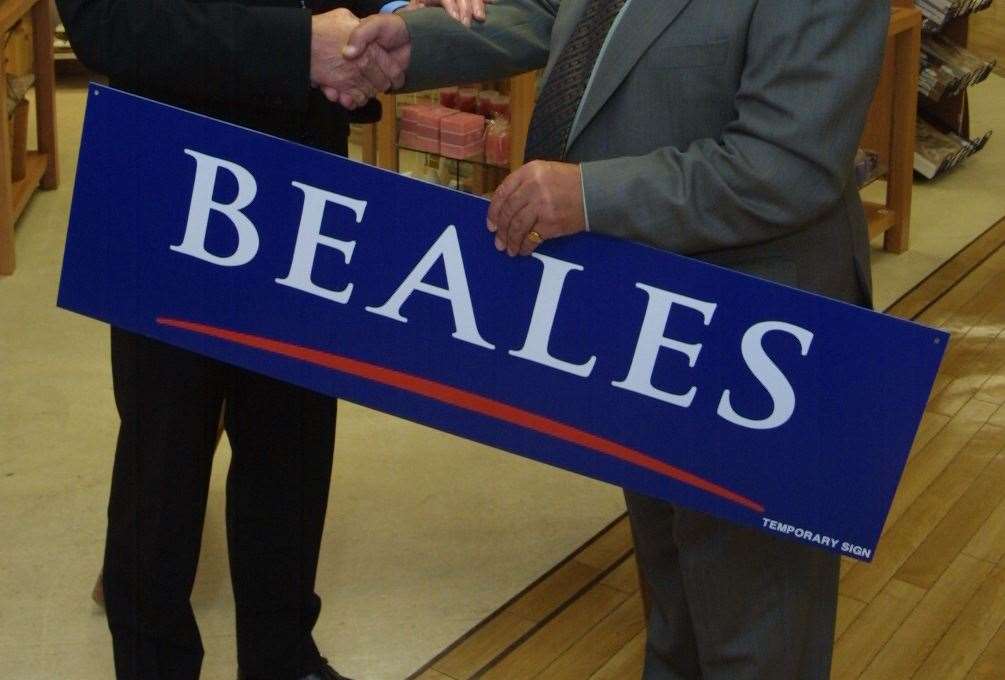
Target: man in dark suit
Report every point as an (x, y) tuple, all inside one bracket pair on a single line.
[(250, 62), (725, 131)]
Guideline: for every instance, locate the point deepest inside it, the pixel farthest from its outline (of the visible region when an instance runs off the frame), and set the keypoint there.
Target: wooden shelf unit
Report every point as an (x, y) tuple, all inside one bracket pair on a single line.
[(890, 129), (42, 166), (21, 190), (382, 149)]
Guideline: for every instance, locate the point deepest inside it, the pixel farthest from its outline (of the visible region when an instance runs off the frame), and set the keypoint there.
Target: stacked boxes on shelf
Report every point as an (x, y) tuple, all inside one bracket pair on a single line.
[(462, 135), (455, 127), (437, 129), (420, 126)]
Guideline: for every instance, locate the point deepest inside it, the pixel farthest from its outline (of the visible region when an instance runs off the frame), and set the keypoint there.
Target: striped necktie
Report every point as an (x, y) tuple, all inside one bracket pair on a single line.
[(556, 108)]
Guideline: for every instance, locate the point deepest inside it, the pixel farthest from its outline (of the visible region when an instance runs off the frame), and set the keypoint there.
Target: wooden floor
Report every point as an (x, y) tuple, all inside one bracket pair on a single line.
[(932, 604)]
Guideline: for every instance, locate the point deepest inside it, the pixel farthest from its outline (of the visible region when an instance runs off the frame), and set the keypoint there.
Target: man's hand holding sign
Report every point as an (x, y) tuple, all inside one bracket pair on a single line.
[(540, 200)]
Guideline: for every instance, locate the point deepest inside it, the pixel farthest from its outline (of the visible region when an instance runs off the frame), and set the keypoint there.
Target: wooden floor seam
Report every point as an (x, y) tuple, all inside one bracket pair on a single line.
[(565, 605), (474, 631)]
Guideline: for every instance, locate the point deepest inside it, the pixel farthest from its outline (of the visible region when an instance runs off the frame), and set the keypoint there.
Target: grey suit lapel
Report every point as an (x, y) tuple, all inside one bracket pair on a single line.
[(643, 22)]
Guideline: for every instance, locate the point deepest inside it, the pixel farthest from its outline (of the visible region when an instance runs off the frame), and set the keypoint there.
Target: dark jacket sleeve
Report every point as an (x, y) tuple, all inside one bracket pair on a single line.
[(362, 8), (218, 51)]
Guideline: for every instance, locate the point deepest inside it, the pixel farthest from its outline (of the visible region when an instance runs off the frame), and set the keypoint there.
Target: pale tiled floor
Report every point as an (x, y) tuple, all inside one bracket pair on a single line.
[(987, 34), (949, 212), (427, 534)]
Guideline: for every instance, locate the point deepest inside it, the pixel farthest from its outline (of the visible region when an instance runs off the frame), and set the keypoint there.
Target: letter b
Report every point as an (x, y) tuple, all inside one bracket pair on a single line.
[(194, 242)]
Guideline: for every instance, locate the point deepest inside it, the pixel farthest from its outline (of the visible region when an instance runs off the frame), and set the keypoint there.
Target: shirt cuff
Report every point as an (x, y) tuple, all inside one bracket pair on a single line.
[(393, 6), (582, 190)]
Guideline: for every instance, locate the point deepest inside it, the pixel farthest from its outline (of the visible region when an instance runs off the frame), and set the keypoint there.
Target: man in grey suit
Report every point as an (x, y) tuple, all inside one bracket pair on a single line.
[(720, 129)]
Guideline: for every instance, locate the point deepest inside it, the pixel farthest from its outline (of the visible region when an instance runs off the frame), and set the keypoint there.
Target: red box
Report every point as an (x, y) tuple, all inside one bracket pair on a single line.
[(461, 151), (417, 142), (462, 129), (431, 131), (425, 114), (467, 99), (419, 127), (448, 97)]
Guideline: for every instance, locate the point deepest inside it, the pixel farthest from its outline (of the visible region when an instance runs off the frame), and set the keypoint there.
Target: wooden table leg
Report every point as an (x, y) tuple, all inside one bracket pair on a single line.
[(368, 144), (6, 194), (386, 130), (521, 96), (905, 113), (45, 90)]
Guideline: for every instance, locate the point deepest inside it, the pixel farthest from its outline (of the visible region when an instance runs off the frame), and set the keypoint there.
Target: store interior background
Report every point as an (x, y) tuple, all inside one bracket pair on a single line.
[(427, 534)]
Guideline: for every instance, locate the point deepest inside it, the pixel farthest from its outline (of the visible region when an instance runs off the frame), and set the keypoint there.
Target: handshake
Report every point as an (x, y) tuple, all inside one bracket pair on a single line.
[(352, 59)]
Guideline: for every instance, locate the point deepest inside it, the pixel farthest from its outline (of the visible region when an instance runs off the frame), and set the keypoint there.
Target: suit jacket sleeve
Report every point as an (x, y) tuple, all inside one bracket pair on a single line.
[(513, 39), (224, 51), (786, 158)]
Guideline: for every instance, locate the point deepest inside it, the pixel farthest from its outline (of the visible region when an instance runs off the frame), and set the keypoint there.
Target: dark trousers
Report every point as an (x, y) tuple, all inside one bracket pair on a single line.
[(729, 602), (169, 401)]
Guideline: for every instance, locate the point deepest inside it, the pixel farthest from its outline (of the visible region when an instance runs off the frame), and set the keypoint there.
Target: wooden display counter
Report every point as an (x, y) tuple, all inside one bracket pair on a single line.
[(41, 166), (890, 129)]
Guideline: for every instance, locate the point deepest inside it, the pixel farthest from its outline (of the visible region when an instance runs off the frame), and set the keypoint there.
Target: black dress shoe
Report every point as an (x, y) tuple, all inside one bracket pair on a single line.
[(326, 673)]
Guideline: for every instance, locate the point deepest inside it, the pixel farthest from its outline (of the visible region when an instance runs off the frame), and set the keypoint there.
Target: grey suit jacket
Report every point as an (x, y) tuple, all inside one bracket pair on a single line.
[(720, 129)]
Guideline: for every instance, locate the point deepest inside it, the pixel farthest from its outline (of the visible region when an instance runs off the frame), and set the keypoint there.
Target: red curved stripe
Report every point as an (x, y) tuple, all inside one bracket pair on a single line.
[(468, 401)]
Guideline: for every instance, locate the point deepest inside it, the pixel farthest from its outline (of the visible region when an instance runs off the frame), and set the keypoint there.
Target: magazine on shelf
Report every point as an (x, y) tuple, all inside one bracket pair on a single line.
[(938, 13), (937, 151), (948, 69)]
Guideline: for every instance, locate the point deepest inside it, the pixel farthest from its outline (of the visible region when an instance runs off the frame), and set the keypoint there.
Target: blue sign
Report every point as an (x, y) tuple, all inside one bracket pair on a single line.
[(752, 401)]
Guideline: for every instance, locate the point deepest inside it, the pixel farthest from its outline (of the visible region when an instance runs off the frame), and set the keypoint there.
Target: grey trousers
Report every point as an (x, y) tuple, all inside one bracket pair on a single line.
[(730, 602)]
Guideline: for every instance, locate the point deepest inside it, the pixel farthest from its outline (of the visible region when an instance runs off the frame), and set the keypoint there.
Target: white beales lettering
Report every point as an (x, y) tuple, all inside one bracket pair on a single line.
[(767, 373), (653, 336), (448, 249), (207, 169), (309, 237), (535, 347), (651, 340)]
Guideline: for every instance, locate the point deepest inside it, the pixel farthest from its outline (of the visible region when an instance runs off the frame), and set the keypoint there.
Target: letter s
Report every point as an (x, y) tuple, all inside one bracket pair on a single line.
[(768, 374)]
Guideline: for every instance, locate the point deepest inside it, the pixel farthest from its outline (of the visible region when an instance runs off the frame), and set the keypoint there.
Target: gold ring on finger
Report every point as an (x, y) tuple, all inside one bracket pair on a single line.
[(534, 237)]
